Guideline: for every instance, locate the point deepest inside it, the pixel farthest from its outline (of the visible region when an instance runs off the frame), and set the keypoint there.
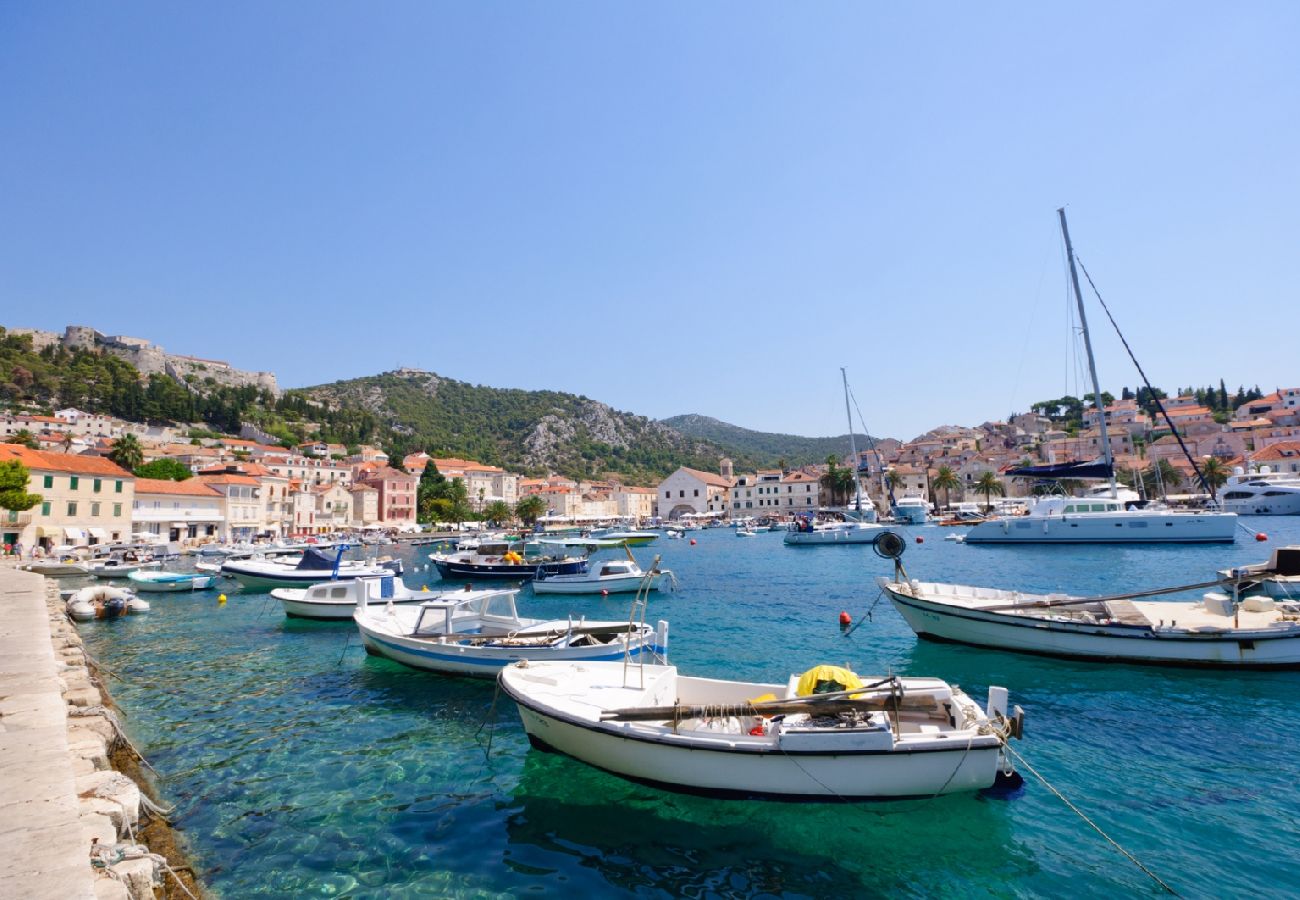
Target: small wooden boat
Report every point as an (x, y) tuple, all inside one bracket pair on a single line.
[(337, 600), (477, 632), (825, 735), (161, 582), (103, 602)]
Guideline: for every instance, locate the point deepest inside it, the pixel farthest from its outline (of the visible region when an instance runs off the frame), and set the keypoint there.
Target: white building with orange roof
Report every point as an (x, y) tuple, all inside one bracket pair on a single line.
[(1283, 456), (245, 505), (185, 512), (413, 462), (694, 491), (85, 500), (634, 502), (365, 505), (483, 483)]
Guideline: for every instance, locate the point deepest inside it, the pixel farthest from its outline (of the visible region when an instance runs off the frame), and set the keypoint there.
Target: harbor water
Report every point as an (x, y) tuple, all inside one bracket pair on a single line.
[(301, 767)]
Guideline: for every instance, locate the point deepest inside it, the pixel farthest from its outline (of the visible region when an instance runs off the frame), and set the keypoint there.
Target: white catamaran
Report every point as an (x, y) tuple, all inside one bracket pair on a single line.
[(1098, 519)]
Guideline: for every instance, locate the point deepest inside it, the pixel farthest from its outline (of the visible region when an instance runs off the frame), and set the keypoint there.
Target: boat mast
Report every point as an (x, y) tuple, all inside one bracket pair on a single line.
[(853, 447), (1092, 363)]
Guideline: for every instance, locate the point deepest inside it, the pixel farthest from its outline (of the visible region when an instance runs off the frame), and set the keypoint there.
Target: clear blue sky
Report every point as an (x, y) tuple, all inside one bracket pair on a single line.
[(670, 207)]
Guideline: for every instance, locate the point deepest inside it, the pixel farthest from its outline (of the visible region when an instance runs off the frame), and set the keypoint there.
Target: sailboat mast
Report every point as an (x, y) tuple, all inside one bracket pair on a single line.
[(1092, 363), (853, 447)]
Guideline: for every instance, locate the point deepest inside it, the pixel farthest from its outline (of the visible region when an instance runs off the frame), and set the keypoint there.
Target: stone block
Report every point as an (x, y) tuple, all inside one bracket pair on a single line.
[(109, 888), (97, 828), (105, 807), (139, 876), (112, 786), (83, 697)]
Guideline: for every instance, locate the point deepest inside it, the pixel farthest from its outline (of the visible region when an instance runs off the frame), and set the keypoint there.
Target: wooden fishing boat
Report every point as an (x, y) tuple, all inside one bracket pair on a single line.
[(616, 576), (881, 738), (171, 582), (503, 562)]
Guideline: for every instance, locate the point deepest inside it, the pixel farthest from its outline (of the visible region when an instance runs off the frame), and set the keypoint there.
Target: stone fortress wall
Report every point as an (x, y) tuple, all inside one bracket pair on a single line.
[(151, 359)]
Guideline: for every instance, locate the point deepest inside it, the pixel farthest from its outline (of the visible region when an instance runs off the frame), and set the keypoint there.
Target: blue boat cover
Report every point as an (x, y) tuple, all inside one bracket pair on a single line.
[(314, 560), (1093, 469)]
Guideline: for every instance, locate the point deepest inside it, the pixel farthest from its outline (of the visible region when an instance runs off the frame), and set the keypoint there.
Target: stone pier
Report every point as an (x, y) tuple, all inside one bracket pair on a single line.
[(60, 802)]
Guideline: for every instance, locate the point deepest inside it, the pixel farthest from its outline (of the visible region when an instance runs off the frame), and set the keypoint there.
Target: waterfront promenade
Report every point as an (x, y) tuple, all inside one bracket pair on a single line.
[(43, 848)]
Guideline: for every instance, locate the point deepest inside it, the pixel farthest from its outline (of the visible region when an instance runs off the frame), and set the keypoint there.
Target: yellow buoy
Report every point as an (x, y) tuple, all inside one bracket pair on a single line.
[(424, 587), (221, 600)]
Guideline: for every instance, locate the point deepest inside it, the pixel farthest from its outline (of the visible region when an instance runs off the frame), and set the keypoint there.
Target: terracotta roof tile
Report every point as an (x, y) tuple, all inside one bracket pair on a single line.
[(190, 486), (62, 462)]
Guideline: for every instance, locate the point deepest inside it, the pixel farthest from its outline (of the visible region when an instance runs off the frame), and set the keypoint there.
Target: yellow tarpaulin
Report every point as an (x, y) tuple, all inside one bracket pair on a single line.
[(832, 678)]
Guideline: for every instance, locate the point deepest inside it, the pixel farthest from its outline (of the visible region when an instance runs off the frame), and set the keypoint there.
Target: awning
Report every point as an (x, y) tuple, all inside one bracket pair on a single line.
[(98, 533), (75, 534), (180, 524)]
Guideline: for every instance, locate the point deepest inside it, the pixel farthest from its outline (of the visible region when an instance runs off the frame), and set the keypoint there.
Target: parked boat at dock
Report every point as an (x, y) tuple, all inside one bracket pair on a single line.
[(338, 599), (171, 582), (613, 576), (1262, 493), (100, 601), (118, 567), (477, 632), (501, 561), (1224, 630), (831, 527), (883, 738), (312, 567)]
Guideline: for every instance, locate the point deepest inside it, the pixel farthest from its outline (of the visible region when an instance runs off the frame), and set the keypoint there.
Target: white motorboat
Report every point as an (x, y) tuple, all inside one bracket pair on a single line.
[(311, 568), (1262, 493), (887, 738), (805, 532), (1104, 520), (172, 582), (1222, 631), (57, 568), (616, 576), (118, 567), (338, 599), (911, 511), (471, 632), (101, 601), (622, 536)]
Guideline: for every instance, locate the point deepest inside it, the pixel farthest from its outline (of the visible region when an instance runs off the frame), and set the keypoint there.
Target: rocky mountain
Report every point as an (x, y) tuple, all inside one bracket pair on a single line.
[(530, 431), (764, 447)]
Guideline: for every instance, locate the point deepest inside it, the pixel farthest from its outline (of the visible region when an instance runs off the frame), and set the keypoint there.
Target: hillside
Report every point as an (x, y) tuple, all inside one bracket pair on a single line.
[(530, 431), (765, 448)]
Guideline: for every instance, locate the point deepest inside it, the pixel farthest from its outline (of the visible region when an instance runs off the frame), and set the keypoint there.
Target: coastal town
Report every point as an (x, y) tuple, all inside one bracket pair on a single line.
[(246, 488)]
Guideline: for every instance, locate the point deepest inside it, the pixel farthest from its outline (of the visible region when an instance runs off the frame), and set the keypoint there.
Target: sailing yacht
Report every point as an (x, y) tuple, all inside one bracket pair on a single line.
[(1104, 517)]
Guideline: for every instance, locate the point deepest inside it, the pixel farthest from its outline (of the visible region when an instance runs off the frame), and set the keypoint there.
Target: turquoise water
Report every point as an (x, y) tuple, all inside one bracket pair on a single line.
[(301, 767)]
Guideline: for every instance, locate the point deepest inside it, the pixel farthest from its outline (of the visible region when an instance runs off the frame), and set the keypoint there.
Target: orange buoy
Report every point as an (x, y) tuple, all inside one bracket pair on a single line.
[(604, 592), (920, 540), (1261, 536), (692, 542), (845, 618)]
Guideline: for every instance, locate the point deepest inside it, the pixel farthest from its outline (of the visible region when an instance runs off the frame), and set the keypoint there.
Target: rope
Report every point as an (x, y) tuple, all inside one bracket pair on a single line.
[(1095, 827), (490, 717)]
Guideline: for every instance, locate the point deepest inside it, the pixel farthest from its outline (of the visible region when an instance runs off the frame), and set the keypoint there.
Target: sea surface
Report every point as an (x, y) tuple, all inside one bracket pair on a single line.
[(301, 767)]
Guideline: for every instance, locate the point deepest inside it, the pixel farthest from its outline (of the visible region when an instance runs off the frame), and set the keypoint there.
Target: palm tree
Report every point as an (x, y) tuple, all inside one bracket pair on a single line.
[(945, 480), (530, 509), (1161, 477), (26, 438), (497, 512), (1215, 473), (988, 485), (830, 482), (127, 452)]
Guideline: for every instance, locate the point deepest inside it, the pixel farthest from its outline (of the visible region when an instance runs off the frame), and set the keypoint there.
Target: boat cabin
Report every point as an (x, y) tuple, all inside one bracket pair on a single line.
[(493, 612), (619, 567)]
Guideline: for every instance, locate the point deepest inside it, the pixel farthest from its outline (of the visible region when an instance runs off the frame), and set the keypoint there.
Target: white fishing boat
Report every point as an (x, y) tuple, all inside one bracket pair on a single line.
[(101, 601), (852, 739), (615, 576), (57, 568), (1262, 493), (624, 536), (311, 567), (477, 632), (1099, 518), (1224, 630), (339, 599), (172, 582), (808, 532), (118, 567)]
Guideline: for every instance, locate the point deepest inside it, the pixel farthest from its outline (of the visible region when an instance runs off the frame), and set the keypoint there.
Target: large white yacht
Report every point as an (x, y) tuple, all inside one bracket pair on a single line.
[(1262, 493)]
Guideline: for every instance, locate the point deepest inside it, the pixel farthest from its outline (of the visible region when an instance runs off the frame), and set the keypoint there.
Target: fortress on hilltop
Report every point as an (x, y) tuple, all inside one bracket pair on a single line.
[(149, 358)]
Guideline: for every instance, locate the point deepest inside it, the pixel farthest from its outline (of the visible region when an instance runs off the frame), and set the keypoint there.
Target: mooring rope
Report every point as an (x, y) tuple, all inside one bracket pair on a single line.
[(1093, 825)]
